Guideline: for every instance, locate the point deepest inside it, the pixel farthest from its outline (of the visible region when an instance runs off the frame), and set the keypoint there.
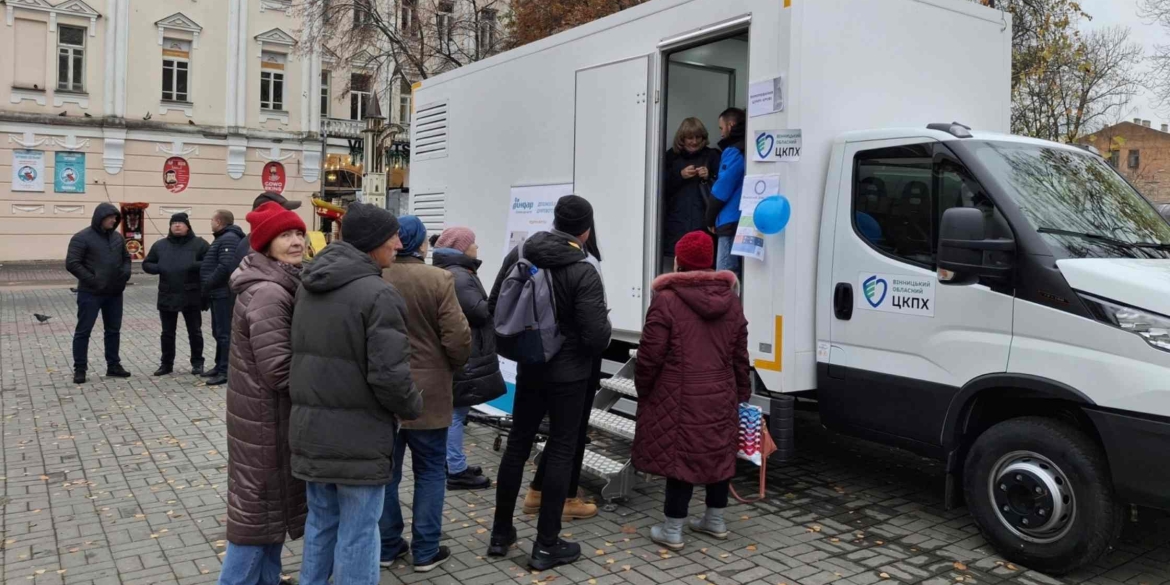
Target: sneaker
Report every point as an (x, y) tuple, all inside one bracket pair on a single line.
[(117, 371), (163, 370), (500, 543), (545, 557), (78, 376), (397, 557), (218, 380), (197, 370), (466, 480), (440, 557)]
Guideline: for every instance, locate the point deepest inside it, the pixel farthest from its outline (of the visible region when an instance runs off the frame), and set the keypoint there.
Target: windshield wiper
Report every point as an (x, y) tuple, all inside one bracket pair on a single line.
[(1104, 239)]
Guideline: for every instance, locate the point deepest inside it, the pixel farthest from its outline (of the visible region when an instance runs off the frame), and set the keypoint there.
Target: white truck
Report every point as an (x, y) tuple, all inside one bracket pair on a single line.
[(996, 302)]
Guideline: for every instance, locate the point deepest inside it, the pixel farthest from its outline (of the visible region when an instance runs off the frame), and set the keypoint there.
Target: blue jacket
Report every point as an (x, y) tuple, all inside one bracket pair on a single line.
[(728, 186)]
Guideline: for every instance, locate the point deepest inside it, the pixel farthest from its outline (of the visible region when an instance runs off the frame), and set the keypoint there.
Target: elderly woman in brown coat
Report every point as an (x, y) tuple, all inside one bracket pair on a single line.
[(265, 502)]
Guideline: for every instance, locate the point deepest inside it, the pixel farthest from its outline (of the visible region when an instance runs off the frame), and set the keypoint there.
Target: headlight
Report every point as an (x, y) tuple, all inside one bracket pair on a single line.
[(1154, 328)]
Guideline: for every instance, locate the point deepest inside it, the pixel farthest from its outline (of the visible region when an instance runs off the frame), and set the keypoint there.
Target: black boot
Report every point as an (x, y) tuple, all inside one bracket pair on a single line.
[(466, 480), (117, 371), (500, 543), (163, 370), (197, 369), (545, 557), (217, 380), (78, 376)]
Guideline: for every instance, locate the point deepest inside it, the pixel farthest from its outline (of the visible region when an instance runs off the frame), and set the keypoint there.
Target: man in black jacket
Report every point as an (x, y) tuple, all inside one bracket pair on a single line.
[(557, 388), (98, 258), (213, 276), (177, 260)]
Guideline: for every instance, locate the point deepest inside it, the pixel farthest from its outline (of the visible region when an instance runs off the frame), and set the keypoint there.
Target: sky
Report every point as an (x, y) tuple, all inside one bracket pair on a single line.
[(1124, 12)]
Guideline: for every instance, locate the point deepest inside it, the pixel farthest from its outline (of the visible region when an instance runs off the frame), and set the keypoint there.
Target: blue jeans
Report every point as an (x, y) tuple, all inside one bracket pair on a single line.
[(428, 461), (251, 564), (456, 461), (88, 307), (341, 534), (725, 260)]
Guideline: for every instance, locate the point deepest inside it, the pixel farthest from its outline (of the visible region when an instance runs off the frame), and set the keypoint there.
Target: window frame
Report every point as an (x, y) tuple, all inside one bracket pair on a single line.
[(71, 85), (274, 77), (364, 95), (445, 25), (325, 90), (404, 99), (408, 17), (1133, 159), (488, 18), (362, 8), (175, 60)]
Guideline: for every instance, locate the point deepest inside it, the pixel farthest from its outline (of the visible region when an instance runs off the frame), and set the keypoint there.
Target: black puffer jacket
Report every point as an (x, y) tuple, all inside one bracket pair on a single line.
[(350, 370), (177, 261), (686, 209), (219, 262), (581, 310), (480, 380), (97, 257)]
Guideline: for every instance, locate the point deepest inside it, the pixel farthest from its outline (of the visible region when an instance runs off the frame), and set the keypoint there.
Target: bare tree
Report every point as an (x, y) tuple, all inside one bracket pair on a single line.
[(1158, 12)]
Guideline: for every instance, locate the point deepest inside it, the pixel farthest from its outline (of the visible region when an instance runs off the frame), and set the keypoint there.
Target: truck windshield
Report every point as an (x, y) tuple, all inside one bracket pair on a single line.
[(1079, 205)]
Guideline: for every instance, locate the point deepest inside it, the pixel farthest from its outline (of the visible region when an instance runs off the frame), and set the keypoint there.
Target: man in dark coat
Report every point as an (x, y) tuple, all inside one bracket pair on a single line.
[(244, 247), (98, 258), (557, 388), (350, 384), (177, 260), (214, 273)]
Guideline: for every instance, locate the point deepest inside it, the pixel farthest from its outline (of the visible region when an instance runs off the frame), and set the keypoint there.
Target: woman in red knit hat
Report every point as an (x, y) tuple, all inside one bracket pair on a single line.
[(265, 502), (692, 373)]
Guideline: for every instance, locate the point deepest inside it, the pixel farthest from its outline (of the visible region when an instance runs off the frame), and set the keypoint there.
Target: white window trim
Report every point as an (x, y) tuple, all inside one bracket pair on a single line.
[(34, 95), (62, 97), (277, 5), (177, 103), (74, 8), (325, 90), (84, 65), (283, 94), (180, 22)]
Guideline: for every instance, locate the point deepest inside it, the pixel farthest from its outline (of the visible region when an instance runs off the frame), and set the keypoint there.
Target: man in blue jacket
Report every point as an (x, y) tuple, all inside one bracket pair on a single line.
[(213, 277), (728, 187)]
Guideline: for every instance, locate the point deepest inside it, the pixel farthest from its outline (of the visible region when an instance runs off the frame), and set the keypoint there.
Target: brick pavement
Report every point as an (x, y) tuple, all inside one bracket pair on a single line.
[(123, 481)]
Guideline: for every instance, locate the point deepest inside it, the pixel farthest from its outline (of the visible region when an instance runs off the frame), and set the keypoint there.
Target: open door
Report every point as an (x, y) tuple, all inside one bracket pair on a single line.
[(609, 169)]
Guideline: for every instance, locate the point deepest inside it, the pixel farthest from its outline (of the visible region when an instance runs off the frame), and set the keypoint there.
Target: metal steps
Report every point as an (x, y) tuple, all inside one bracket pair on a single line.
[(613, 424), (619, 475)]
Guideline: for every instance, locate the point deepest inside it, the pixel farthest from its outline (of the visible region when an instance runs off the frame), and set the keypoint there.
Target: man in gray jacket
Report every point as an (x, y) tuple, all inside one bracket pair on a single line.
[(351, 383)]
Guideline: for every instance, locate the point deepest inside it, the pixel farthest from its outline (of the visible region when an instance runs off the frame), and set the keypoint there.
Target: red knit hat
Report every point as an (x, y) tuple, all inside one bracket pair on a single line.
[(695, 251), (271, 220)]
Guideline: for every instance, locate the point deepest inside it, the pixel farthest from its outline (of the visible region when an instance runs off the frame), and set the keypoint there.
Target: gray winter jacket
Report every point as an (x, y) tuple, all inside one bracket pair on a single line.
[(97, 257)]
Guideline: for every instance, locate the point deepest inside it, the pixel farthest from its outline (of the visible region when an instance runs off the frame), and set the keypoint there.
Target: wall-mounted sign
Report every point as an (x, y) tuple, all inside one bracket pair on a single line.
[(176, 174), (28, 170), (69, 172), (766, 97), (274, 177), (778, 146)]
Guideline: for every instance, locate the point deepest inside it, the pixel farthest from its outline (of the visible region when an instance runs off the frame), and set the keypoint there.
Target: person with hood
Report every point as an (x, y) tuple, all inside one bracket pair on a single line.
[(558, 387), (440, 343), (98, 257), (728, 187), (213, 276), (176, 259), (266, 503), (480, 380), (688, 165), (245, 246), (350, 385), (692, 372)]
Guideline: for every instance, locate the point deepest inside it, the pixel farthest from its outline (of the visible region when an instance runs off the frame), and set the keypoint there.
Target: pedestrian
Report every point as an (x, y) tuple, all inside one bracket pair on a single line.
[(728, 187), (558, 387), (266, 503), (351, 382), (689, 167), (692, 372), (97, 256), (177, 259), (213, 276), (244, 247), (440, 343), (480, 381)]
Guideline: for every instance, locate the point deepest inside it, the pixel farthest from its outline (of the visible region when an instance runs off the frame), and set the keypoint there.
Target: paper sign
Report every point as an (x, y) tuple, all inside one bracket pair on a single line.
[(531, 211), (28, 170), (896, 293), (69, 172), (766, 97), (748, 242), (756, 188), (777, 146)]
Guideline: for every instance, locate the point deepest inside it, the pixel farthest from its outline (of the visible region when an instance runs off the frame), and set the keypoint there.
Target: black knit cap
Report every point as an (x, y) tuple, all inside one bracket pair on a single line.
[(367, 226), (181, 218), (573, 215)]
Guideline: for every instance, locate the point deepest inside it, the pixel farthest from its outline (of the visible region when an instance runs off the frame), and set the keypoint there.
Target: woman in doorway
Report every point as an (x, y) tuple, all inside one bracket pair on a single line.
[(690, 164)]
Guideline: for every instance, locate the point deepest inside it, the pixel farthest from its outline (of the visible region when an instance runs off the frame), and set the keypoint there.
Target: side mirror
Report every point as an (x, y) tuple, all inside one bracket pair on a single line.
[(963, 249)]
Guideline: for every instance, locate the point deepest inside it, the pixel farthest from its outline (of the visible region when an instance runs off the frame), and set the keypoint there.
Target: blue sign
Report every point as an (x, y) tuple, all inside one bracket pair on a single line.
[(69, 172)]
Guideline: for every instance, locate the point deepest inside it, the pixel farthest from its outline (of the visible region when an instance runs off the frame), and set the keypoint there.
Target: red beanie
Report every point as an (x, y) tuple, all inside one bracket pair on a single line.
[(271, 220), (695, 251)]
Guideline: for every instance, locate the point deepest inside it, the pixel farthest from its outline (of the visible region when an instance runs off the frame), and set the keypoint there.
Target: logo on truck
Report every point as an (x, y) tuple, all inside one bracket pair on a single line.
[(764, 144), (896, 293), (871, 295)]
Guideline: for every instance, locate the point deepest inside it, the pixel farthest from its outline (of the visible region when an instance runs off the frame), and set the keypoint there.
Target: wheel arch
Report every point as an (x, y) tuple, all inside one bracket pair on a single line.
[(974, 404)]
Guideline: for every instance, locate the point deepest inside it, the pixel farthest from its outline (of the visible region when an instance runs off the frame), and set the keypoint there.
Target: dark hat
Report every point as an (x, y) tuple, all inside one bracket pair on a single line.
[(181, 218), (573, 215), (367, 226), (267, 196), (413, 233), (695, 251)]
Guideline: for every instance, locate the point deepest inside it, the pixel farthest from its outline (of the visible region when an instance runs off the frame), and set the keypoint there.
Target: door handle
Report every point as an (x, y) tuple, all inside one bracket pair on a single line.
[(843, 301)]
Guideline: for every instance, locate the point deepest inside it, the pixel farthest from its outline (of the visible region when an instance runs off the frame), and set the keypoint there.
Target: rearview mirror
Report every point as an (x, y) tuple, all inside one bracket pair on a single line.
[(966, 255)]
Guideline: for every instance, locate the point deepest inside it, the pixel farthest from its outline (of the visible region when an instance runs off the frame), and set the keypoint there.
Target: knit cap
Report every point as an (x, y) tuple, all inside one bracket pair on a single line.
[(573, 215), (695, 251), (457, 238), (269, 221), (366, 227)]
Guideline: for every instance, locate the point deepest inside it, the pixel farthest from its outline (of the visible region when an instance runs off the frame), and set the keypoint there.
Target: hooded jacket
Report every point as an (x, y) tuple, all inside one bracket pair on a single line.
[(98, 257), (219, 262), (728, 187), (480, 380), (580, 306), (350, 370), (692, 372), (686, 207), (177, 261), (265, 501)]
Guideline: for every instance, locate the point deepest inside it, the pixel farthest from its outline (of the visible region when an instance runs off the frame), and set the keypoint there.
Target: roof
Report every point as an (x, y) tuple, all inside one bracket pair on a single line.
[(1125, 129)]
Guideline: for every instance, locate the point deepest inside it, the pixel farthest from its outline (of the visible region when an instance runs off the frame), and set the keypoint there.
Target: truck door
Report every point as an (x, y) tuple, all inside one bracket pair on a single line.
[(609, 169), (903, 343)]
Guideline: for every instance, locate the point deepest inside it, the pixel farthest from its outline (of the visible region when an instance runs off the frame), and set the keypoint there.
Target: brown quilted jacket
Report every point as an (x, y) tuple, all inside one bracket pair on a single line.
[(265, 501)]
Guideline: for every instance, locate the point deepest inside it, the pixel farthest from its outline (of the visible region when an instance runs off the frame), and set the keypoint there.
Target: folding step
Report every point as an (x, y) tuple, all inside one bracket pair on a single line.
[(614, 424), (619, 476), (623, 386)]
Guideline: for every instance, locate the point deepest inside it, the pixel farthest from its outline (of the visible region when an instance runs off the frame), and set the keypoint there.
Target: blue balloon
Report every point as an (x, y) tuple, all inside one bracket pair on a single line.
[(772, 214)]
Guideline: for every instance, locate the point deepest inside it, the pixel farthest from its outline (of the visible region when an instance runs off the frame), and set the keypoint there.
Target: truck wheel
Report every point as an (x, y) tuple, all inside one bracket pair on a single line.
[(1041, 493)]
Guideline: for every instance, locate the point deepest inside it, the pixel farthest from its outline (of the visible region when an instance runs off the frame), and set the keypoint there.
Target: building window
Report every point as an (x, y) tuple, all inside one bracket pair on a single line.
[(404, 97), (408, 17), (444, 25), (362, 13), (326, 91), (1135, 159), (176, 71), (272, 81), (486, 31), (359, 95), (1114, 158), (30, 45), (71, 58)]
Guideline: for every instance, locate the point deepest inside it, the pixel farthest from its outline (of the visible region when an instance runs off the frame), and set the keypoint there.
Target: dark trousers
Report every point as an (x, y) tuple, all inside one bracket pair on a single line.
[(678, 496), (579, 457), (221, 329), (170, 324), (88, 307), (563, 403)]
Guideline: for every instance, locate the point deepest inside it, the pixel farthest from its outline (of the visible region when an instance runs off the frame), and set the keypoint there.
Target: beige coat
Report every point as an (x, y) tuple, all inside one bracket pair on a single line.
[(440, 339)]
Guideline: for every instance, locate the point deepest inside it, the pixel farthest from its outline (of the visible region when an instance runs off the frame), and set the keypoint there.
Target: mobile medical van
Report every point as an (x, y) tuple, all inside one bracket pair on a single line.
[(999, 303)]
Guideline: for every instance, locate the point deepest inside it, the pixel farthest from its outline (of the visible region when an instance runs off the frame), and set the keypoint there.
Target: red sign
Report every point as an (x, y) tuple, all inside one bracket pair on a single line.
[(273, 177), (176, 174)]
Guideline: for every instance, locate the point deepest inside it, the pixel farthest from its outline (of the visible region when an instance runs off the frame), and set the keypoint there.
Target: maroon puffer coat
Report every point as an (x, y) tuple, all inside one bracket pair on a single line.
[(264, 500), (692, 374)]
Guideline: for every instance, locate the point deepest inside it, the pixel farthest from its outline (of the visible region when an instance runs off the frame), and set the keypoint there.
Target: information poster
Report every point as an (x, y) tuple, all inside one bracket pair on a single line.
[(69, 172), (766, 97), (749, 242), (28, 170), (176, 174)]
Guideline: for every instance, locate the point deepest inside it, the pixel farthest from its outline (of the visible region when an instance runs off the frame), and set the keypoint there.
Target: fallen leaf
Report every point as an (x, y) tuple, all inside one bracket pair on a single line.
[(73, 550), (702, 550), (815, 528), (958, 579), (567, 535), (481, 531), (959, 566), (610, 561), (702, 577), (593, 582), (600, 552), (62, 571), (744, 517), (751, 547), (834, 540), (204, 572), (627, 529), (879, 542), (884, 575), (626, 568), (1011, 567), (40, 571), (44, 478), (724, 555)]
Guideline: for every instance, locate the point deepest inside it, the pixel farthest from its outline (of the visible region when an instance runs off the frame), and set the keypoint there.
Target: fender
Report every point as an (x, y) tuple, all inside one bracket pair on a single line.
[(1027, 386)]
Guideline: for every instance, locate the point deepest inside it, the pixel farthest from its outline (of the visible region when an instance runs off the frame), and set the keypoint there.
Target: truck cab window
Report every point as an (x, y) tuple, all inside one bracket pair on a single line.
[(892, 201)]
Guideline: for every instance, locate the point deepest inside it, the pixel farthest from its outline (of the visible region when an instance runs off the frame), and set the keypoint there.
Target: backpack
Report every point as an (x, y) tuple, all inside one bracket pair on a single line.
[(525, 321)]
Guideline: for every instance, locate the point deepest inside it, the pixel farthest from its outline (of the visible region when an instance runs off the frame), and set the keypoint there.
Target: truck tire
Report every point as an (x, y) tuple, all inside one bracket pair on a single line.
[(1041, 493)]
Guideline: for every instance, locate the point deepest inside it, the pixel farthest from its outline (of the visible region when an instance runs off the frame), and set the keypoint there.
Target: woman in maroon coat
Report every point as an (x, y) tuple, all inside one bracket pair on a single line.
[(692, 374)]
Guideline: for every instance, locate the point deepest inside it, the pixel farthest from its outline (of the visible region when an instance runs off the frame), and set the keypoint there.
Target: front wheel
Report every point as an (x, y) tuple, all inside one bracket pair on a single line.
[(1041, 493)]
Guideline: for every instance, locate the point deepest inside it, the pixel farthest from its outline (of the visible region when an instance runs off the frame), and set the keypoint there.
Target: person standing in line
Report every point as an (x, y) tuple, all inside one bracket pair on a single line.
[(213, 276), (266, 503), (692, 373), (97, 256), (728, 187), (688, 165), (440, 343), (557, 388), (350, 384), (177, 259), (244, 247), (480, 381)]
